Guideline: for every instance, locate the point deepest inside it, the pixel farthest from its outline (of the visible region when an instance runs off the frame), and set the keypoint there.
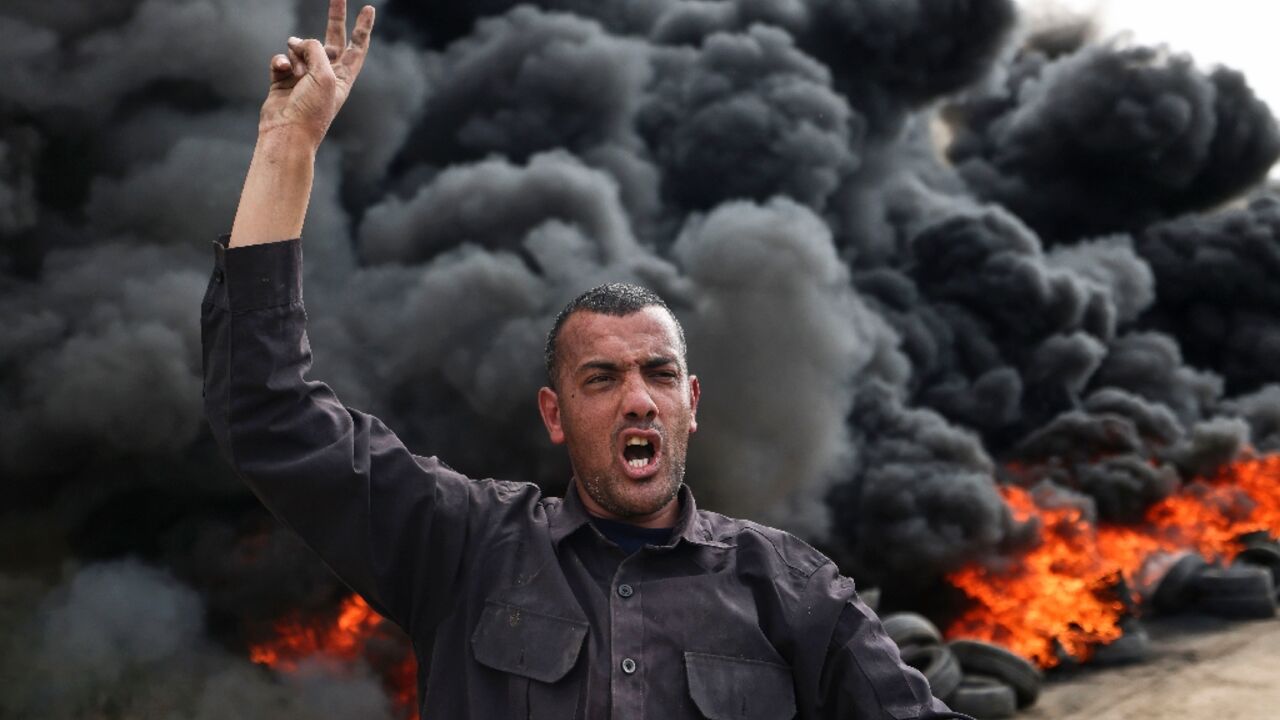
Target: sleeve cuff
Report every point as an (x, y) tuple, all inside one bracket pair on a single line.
[(255, 277)]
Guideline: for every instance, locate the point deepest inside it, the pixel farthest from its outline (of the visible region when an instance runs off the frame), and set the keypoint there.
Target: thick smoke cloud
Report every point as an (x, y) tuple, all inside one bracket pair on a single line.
[(773, 314), (495, 204), (1109, 139), (99, 366), (887, 56), (152, 43), (924, 501), (1261, 410), (502, 89), (1000, 335), (747, 116), (442, 23), (1218, 292), (913, 262), (1150, 364)]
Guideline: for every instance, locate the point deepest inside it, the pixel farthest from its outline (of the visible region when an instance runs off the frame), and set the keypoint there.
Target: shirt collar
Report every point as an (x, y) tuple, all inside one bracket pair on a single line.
[(690, 526)]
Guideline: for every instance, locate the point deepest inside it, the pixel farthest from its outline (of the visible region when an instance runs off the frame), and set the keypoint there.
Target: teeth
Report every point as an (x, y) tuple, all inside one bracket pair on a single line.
[(638, 462), (637, 441)]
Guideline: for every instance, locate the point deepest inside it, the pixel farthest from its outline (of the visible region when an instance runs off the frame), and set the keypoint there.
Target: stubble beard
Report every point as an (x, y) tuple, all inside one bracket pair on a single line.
[(626, 498)]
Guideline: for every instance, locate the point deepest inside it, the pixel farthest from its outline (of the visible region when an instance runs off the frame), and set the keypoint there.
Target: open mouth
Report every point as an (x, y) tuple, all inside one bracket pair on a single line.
[(640, 452)]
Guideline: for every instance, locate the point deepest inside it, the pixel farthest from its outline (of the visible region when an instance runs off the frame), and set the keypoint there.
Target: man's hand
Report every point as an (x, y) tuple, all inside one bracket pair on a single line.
[(308, 87), (310, 83)]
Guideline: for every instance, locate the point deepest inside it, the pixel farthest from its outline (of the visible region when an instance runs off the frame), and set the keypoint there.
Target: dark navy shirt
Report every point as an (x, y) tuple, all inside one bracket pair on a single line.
[(517, 607)]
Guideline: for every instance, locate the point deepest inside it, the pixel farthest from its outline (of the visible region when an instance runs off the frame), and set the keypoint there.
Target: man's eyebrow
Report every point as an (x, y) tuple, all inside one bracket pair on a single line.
[(649, 364), (599, 365), (657, 362)]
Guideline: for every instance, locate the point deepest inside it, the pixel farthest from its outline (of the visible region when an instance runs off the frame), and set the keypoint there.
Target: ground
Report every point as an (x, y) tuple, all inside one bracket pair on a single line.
[(1198, 668)]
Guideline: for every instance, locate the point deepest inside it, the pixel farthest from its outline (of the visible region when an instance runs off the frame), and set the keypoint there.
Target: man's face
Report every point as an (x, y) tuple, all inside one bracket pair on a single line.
[(624, 406)]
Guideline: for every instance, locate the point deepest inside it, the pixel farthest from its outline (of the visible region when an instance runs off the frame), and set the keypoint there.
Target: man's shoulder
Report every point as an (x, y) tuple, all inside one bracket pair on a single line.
[(486, 490), (770, 545)]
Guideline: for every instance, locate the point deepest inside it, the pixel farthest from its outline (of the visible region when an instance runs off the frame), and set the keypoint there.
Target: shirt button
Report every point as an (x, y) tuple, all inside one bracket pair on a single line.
[(628, 666), (217, 275), (626, 590)]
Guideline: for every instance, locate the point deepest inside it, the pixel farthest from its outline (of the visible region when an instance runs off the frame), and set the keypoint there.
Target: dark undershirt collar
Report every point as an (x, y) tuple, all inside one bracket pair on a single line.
[(631, 537)]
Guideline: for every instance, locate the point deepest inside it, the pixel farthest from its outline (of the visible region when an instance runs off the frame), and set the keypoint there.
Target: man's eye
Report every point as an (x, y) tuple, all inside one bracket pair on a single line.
[(597, 379)]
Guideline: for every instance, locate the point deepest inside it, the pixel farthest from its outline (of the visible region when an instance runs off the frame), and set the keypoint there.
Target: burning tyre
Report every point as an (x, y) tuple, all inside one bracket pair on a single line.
[(1263, 553), (1174, 591), (1134, 646), (1241, 591)]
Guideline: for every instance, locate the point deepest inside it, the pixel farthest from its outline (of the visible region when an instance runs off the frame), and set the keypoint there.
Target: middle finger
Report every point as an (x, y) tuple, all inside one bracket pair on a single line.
[(335, 35)]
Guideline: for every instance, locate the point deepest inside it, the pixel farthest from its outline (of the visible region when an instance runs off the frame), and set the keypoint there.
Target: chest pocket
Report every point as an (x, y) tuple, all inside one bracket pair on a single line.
[(522, 642), (729, 688), (536, 650)]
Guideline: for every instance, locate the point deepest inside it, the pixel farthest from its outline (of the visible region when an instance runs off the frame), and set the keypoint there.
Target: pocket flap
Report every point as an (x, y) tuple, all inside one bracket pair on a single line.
[(730, 688), (523, 642)]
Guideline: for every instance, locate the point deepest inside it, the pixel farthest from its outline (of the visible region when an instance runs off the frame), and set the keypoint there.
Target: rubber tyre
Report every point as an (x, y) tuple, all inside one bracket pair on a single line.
[(1258, 537), (1232, 581), (907, 628), (1264, 555), (938, 665), (984, 697), (1242, 591), (1134, 646), (982, 658), (1174, 591)]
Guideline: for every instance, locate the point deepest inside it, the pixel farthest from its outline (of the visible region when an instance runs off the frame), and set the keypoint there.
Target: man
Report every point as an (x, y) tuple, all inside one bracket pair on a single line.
[(622, 600)]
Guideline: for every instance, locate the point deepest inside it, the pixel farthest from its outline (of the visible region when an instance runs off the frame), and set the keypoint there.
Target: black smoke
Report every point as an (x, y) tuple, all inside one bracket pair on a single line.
[(1110, 139), (918, 250)]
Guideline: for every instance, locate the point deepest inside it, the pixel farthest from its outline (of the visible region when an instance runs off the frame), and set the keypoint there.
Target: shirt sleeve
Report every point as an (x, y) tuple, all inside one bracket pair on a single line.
[(864, 676), (399, 529)]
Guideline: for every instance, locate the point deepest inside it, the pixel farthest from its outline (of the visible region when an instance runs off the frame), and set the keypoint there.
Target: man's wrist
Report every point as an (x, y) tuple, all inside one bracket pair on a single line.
[(274, 201), (286, 145)]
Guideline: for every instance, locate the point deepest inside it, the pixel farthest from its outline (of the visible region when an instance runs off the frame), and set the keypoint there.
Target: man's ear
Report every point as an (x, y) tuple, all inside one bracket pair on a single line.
[(695, 392), (549, 407)]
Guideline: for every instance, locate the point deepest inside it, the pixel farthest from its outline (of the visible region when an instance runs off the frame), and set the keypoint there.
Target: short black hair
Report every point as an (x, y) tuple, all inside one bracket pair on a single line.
[(617, 299)]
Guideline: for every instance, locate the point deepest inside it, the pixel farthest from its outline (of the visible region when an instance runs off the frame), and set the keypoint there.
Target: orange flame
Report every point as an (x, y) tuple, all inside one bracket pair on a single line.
[(1061, 596), (344, 640)]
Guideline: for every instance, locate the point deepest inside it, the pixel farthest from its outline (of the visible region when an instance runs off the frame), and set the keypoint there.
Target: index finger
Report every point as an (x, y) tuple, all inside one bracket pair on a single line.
[(335, 35)]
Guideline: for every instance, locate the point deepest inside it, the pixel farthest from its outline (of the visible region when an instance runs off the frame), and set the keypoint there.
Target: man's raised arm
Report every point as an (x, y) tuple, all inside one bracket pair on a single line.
[(399, 529), (308, 87)]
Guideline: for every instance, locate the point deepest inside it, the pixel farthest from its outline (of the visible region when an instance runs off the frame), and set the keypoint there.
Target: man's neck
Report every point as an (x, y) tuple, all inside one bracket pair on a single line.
[(664, 517)]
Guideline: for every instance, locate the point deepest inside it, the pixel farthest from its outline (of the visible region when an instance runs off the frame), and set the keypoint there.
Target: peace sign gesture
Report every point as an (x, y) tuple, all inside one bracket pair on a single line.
[(310, 83)]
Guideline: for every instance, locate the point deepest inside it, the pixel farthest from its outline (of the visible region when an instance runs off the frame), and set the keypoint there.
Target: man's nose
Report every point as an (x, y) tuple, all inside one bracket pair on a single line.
[(637, 403)]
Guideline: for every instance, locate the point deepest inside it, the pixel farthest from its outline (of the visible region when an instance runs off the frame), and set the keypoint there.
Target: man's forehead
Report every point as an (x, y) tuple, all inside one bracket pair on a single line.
[(649, 330)]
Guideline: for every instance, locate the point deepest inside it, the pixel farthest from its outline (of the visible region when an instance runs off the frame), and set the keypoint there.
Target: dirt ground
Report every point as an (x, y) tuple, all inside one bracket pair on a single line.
[(1199, 667)]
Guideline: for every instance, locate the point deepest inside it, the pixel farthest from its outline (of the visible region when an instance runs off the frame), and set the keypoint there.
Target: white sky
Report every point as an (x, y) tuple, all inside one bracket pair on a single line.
[(1241, 34)]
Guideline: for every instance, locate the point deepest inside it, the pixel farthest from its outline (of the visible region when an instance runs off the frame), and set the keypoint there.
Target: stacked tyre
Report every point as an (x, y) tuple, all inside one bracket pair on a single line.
[(972, 677), (999, 682), (1246, 589), (922, 648)]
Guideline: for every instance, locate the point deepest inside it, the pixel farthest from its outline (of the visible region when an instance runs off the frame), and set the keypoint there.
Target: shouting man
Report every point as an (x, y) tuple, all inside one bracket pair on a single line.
[(622, 600)]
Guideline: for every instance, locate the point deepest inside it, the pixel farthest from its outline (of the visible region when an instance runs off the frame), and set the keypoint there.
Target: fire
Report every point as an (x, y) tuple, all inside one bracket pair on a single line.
[(295, 640), (345, 640), (1063, 595)]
